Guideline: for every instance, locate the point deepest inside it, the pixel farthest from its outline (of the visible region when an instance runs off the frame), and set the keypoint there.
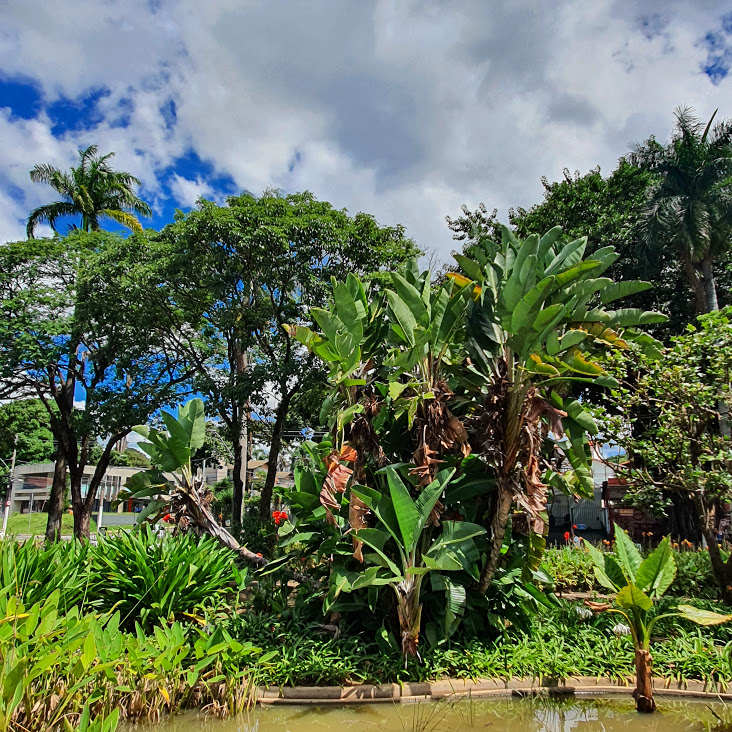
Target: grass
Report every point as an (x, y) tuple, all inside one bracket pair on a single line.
[(35, 524)]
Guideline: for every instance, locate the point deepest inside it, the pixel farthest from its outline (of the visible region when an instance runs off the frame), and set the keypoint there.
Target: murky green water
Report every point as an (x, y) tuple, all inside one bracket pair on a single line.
[(493, 715)]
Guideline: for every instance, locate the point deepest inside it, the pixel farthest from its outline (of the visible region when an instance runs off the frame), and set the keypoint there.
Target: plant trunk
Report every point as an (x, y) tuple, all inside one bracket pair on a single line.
[(504, 500), (710, 289), (643, 693), (696, 286), (409, 610), (82, 520), (56, 501), (265, 500), (204, 519), (237, 494)]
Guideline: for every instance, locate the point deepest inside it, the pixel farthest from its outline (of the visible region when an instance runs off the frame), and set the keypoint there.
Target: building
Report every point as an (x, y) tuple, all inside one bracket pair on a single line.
[(32, 484)]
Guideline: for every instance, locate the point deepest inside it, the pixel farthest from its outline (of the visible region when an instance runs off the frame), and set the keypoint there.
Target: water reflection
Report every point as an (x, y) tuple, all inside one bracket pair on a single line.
[(540, 714)]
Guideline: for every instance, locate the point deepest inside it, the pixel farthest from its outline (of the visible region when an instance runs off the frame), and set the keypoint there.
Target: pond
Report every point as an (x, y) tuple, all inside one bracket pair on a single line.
[(494, 715)]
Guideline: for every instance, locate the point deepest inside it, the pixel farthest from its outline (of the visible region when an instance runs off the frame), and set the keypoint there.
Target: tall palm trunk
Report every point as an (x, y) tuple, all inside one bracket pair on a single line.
[(710, 289), (696, 286)]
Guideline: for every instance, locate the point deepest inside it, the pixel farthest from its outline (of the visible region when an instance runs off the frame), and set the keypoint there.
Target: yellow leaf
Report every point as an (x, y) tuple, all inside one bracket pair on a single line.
[(164, 693), (459, 279)]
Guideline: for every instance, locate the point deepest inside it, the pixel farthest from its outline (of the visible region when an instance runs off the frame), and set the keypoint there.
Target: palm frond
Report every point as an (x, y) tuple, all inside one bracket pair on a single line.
[(48, 213), (123, 217)]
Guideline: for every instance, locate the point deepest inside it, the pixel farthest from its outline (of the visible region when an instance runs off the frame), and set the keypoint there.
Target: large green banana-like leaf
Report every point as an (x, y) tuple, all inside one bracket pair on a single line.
[(657, 571), (631, 597), (628, 555)]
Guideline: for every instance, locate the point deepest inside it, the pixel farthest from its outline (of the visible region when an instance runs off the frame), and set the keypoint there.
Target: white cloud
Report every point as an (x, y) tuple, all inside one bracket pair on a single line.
[(187, 192), (398, 108)]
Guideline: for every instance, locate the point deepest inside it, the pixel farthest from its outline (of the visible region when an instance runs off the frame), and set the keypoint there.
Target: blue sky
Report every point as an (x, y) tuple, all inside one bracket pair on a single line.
[(400, 108)]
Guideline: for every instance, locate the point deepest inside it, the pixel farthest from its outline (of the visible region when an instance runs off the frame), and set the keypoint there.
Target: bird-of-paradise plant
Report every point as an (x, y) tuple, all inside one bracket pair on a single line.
[(637, 582), (539, 318), (172, 488), (470, 374), (404, 548)]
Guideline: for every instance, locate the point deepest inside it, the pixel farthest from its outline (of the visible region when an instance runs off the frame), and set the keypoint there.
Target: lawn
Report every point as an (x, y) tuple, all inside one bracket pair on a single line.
[(35, 524)]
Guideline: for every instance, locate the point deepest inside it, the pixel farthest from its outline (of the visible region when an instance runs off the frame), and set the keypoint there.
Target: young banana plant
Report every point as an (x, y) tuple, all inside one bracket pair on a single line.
[(637, 582), (403, 550), (171, 486), (539, 316)]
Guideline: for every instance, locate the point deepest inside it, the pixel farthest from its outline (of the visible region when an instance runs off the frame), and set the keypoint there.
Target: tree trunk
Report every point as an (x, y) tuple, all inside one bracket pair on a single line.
[(504, 500), (643, 693), (683, 522), (722, 570), (56, 501), (710, 289), (82, 520), (237, 494), (265, 500), (696, 286)]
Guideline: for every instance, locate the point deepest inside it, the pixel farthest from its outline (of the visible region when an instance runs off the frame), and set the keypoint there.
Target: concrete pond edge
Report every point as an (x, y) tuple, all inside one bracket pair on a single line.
[(457, 688)]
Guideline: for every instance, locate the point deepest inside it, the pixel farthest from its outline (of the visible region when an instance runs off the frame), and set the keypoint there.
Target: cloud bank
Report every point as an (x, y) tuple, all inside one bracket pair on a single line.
[(400, 108)]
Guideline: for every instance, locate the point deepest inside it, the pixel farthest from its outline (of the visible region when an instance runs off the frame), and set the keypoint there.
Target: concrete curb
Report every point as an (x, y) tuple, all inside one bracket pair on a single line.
[(455, 688)]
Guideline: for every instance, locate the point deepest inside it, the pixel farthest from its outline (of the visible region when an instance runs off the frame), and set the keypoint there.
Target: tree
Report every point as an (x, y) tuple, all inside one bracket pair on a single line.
[(607, 210), (25, 426), (689, 211), (240, 272), (668, 416), (92, 190), (80, 325)]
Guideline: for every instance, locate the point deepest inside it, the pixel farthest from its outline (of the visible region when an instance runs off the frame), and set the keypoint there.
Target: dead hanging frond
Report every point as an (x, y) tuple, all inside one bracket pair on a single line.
[(336, 479), (441, 431), (357, 512)]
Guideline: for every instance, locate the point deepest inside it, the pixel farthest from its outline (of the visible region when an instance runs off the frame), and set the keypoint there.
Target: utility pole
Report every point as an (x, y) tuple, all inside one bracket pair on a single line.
[(103, 487), (11, 482)]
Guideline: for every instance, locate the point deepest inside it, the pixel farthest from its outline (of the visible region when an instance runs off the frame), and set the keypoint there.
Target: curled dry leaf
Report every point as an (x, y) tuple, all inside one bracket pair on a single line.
[(336, 480), (357, 511), (597, 607)]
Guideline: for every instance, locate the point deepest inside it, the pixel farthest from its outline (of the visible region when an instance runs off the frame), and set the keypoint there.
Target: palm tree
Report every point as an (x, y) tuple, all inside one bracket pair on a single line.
[(93, 190), (690, 208)]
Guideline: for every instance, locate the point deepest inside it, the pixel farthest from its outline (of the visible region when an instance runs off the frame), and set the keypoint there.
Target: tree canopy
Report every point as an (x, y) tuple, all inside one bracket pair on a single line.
[(239, 273)]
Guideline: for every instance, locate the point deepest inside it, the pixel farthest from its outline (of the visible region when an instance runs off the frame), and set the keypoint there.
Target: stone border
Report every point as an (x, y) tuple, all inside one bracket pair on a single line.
[(454, 688)]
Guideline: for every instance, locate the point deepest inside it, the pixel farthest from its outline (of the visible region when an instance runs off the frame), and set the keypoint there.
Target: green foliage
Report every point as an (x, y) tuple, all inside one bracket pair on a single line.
[(637, 582), (62, 671), (242, 271), (92, 190), (669, 418), (570, 569), (444, 393), (152, 580), (79, 312), (687, 214), (26, 419), (32, 572)]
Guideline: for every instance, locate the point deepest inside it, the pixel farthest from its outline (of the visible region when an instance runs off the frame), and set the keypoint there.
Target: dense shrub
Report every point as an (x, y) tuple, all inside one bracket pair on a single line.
[(152, 579), (571, 569)]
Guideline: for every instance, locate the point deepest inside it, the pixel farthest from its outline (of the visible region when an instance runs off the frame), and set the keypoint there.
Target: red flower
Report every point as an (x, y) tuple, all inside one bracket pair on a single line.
[(566, 536)]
